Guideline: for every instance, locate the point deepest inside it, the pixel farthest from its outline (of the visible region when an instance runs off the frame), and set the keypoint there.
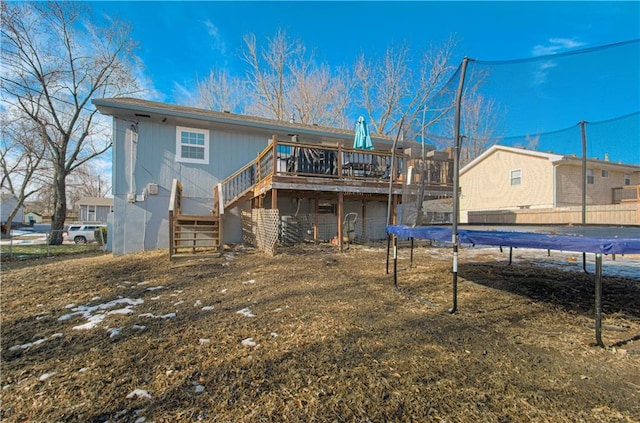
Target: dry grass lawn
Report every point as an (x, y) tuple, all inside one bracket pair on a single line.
[(312, 335)]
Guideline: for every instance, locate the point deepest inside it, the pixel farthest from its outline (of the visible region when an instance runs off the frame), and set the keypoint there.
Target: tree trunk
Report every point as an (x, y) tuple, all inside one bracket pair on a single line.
[(60, 209)]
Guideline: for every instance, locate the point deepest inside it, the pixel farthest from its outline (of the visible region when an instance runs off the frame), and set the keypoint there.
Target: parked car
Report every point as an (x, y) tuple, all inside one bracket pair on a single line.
[(82, 233)]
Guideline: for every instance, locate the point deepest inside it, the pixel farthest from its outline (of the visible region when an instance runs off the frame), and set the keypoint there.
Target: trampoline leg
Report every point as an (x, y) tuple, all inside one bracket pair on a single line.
[(395, 262), (548, 253), (510, 255), (598, 279), (454, 305), (388, 248), (584, 263), (411, 256)]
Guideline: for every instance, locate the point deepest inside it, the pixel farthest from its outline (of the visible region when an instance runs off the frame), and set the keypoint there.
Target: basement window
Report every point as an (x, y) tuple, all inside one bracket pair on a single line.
[(192, 145)]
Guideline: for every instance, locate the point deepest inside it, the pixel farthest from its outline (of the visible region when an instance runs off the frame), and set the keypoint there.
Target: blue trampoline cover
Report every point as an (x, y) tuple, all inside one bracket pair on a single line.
[(561, 242)]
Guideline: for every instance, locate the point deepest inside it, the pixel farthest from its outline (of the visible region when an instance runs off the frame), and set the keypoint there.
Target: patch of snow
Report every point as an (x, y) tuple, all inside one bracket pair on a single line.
[(246, 312), (224, 291), (249, 342), (204, 341), (138, 393), (92, 322), (139, 327), (207, 308), (141, 283), (113, 332), (177, 303), (274, 335), (198, 303), (156, 298), (252, 281), (141, 420), (153, 316), (125, 310), (155, 288), (198, 388), (95, 298), (82, 370), (46, 376), (70, 306)]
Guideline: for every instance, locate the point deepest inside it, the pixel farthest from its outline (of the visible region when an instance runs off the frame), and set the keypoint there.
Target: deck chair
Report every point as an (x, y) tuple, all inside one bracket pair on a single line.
[(349, 228)]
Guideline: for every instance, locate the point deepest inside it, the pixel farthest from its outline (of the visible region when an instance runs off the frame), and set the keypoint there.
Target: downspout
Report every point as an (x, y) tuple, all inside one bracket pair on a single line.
[(133, 141)]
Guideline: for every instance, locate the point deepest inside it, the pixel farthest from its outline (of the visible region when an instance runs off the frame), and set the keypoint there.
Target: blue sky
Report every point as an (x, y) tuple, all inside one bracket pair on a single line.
[(179, 40)]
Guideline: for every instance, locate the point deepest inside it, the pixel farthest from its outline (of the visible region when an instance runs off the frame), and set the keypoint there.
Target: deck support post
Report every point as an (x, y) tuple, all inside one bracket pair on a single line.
[(340, 218), (388, 250), (274, 198), (315, 219)]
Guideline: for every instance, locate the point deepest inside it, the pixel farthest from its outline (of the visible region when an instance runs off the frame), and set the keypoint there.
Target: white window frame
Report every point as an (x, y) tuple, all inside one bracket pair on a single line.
[(513, 178), (627, 179), (205, 147), (590, 177)]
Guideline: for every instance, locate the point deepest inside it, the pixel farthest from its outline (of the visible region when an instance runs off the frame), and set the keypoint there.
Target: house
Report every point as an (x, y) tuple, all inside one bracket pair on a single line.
[(32, 217), (184, 176), (92, 209), (516, 185), (8, 203)]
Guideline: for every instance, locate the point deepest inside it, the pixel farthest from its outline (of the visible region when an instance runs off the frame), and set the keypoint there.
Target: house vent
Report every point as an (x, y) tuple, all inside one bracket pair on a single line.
[(152, 189)]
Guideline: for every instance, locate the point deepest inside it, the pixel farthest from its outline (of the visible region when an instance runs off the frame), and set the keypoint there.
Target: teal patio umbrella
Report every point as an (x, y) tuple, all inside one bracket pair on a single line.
[(362, 139)]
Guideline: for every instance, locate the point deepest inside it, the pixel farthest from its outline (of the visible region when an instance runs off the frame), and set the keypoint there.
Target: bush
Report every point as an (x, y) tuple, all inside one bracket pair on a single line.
[(100, 234)]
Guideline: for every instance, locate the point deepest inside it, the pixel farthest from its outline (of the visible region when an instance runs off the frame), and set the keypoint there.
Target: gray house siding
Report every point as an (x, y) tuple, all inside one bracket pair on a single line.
[(100, 215), (143, 224)]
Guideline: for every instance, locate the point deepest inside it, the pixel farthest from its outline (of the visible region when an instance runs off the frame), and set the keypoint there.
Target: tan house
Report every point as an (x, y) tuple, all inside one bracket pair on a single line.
[(515, 185)]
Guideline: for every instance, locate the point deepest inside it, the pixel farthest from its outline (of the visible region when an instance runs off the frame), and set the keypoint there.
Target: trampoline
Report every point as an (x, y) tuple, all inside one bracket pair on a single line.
[(625, 241)]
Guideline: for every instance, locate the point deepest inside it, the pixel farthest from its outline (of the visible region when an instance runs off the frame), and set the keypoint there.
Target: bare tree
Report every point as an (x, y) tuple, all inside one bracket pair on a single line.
[(284, 83), (388, 88), (55, 60), (220, 91), (86, 182), (20, 159), (481, 119)]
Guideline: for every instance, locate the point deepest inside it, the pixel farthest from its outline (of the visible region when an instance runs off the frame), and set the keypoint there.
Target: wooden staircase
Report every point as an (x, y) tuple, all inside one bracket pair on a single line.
[(191, 235)]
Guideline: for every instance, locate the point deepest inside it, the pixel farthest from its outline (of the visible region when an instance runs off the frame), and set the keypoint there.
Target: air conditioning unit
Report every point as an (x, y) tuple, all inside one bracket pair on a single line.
[(152, 189), (131, 197)]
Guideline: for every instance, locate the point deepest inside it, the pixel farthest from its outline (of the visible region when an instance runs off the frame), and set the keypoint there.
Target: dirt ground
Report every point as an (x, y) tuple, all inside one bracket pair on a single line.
[(312, 334)]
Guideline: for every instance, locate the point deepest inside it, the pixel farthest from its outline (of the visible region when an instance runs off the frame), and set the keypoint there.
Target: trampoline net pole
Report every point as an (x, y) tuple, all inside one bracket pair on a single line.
[(457, 139)]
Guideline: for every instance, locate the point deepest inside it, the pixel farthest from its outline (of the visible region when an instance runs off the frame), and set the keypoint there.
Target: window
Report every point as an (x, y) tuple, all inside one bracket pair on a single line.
[(627, 179), (590, 176), (604, 173), (516, 177), (192, 145)]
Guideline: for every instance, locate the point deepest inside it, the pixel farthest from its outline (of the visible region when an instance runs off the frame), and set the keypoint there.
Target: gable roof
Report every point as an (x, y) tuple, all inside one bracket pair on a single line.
[(94, 201), (571, 160), (138, 109)]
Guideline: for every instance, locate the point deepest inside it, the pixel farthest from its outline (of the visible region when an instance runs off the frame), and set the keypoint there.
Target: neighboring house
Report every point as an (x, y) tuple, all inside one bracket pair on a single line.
[(504, 182), (32, 217), (92, 209), (8, 203), (200, 163)]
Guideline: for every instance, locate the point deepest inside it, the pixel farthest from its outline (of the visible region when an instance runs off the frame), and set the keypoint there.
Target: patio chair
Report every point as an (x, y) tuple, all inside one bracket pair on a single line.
[(349, 228)]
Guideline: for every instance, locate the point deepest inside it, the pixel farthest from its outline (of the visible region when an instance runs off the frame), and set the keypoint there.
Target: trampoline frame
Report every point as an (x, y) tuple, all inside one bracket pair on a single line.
[(563, 242)]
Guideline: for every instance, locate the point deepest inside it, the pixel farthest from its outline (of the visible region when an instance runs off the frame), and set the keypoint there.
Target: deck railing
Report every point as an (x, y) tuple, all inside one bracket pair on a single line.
[(322, 161), (626, 194)]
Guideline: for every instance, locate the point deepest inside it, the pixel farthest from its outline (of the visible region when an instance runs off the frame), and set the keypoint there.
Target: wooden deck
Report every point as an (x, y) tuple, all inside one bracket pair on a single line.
[(309, 170)]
